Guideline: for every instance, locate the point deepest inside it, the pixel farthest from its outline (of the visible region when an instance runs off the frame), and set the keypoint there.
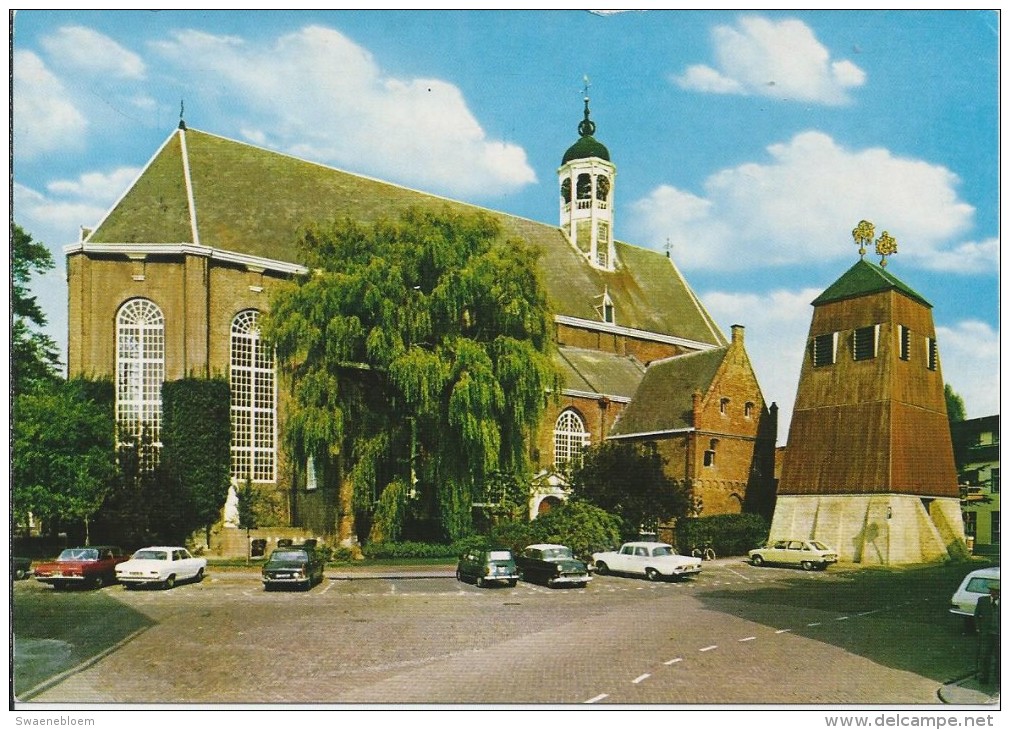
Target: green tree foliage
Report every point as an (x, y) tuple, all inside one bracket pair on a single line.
[(627, 479), (63, 455), (955, 405), (581, 526), (196, 444), (726, 534), (418, 349), (34, 357)]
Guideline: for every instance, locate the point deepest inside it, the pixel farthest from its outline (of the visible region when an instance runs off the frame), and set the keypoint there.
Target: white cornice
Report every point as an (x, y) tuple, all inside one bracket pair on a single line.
[(188, 249), (595, 396), (631, 332), (666, 432)]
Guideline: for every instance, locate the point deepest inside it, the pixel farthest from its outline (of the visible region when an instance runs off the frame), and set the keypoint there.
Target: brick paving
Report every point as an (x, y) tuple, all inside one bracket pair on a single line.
[(735, 635)]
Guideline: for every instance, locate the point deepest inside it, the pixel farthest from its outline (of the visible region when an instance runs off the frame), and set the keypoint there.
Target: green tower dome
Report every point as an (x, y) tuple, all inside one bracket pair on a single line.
[(587, 146)]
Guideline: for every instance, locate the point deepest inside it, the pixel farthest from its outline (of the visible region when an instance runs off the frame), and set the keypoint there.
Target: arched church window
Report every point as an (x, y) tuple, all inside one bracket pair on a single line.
[(584, 186), (566, 190), (140, 371), (570, 437), (253, 402), (602, 187)]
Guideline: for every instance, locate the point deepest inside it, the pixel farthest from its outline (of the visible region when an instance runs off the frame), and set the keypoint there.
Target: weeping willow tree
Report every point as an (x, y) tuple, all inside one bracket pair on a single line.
[(419, 355)]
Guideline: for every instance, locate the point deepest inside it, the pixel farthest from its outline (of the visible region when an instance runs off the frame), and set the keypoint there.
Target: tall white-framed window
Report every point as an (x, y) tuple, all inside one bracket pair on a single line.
[(140, 371), (570, 437), (253, 402)]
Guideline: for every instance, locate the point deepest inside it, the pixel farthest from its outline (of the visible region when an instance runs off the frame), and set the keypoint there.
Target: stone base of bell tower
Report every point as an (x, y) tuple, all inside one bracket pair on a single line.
[(875, 529)]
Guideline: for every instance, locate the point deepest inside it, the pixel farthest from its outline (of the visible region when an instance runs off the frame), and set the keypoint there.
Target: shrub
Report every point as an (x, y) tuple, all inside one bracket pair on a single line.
[(728, 534), (514, 535), (581, 526)]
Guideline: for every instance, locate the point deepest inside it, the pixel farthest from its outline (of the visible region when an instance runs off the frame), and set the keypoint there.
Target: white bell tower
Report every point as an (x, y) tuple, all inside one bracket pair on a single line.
[(586, 183)]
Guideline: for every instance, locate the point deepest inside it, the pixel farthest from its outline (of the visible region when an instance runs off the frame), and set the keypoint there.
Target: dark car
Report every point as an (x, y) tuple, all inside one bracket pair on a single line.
[(93, 566), (296, 565), (21, 568), (553, 565), (487, 566)]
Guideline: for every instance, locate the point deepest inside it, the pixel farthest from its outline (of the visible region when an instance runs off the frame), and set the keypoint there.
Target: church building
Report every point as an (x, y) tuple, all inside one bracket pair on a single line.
[(172, 281)]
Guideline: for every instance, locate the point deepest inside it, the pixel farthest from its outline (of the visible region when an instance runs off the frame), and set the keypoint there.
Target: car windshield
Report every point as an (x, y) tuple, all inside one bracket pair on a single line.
[(288, 555), (499, 555), (557, 553), (980, 584), (662, 550), (150, 555), (819, 545), (78, 554)]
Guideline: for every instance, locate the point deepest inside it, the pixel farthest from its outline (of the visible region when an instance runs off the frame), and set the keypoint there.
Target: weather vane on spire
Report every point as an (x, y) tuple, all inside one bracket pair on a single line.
[(886, 246), (587, 127), (182, 111), (862, 234)]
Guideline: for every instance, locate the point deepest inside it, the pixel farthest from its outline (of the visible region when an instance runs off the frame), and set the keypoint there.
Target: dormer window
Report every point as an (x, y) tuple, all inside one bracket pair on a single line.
[(606, 308)]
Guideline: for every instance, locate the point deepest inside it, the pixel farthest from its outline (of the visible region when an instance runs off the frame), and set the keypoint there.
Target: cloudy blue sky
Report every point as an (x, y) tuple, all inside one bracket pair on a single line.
[(749, 142)]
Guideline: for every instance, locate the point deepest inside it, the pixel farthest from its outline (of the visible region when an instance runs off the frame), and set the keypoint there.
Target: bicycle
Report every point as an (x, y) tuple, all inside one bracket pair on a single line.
[(705, 553)]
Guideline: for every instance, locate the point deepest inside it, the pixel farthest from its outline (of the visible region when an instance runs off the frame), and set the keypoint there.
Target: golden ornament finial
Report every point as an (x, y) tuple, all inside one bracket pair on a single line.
[(886, 246), (862, 234)]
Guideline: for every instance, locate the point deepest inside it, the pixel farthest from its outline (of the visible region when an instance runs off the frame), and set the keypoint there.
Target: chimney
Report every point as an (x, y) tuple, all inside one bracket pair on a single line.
[(737, 333)]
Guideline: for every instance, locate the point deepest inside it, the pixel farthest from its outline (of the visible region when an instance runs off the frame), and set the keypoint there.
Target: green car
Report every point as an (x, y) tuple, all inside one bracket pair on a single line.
[(487, 566)]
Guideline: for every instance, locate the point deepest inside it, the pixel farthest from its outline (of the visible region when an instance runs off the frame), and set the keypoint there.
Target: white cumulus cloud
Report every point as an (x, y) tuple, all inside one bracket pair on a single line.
[(802, 200), (87, 51), (781, 60), (96, 187), (44, 119), (970, 363), (316, 94)]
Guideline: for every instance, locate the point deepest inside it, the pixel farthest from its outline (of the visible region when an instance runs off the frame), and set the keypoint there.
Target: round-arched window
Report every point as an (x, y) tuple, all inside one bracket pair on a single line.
[(140, 371), (570, 437), (253, 402)]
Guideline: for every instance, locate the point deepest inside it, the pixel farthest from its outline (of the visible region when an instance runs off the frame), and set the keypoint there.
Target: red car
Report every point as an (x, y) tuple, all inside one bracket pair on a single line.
[(93, 566)]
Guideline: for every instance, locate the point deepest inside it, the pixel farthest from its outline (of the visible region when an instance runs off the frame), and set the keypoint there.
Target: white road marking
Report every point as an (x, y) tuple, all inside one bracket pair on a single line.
[(640, 678), (867, 613), (597, 698), (843, 618), (749, 638), (709, 648), (740, 575), (673, 661), (783, 631), (328, 586), (815, 623)]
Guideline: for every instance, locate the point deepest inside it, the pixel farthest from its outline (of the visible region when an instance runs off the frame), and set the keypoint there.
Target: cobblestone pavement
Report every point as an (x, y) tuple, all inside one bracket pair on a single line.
[(734, 635)]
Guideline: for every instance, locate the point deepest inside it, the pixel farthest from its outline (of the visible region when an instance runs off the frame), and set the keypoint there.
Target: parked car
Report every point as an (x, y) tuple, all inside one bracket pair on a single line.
[(89, 566), (974, 586), (21, 568), (161, 565), (808, 554), (487, 566), (553, 565), (654, 560), (295, 565)]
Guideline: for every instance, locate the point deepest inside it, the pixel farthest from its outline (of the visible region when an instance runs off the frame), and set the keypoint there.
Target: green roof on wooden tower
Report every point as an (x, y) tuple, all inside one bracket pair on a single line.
[(866, 278)]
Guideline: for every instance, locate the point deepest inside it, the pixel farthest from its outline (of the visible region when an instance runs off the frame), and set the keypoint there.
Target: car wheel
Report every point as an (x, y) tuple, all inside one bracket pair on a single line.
[(757, 560), (20, 574), (459, 576), (97, 582), (601, 567), (128, 586), (652, 574), (169, 582), (807, 565), (512, 583), (199, 576), (480, 581)]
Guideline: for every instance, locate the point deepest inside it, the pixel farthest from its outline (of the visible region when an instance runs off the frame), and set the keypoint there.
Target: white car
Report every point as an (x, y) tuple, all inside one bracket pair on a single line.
[(161, 565), (808, 554), (654, 560), (974, 586)]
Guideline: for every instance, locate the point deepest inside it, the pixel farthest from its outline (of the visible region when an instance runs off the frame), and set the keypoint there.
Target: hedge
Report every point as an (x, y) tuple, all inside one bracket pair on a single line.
[(727, 534)]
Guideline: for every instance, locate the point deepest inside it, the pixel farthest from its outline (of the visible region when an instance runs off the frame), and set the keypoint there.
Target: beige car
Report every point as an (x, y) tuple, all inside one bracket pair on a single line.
[(808, 554)]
